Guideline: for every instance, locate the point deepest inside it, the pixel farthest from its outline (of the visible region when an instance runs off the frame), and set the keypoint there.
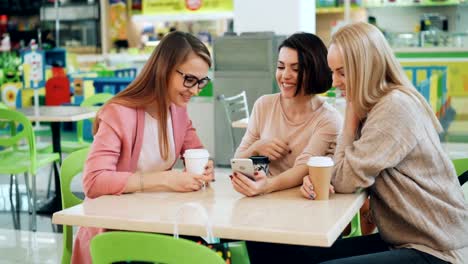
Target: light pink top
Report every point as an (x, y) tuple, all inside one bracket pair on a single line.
[(114, 156), (310, 137)]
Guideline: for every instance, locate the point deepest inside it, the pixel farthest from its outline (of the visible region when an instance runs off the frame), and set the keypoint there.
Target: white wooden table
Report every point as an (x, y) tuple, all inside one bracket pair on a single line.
[(56, 115), (59, 113), (281, 217)]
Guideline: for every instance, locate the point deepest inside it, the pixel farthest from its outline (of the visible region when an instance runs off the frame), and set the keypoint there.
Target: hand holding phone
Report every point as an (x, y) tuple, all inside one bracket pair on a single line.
[(244, 166)]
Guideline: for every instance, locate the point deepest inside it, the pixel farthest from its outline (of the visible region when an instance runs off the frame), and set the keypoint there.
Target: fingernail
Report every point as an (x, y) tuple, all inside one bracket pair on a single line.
[(256, 173), (206, 167), (290, 151), (213, 180), (235, 173), (312, 196), (230, 176)]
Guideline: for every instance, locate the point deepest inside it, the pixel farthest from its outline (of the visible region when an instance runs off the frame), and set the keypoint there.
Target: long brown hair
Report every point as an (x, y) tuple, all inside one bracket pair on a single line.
[(372, 70), (152, 83)]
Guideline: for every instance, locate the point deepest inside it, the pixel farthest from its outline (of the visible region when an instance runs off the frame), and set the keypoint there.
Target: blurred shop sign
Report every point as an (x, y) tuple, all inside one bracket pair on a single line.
[(163, 7)]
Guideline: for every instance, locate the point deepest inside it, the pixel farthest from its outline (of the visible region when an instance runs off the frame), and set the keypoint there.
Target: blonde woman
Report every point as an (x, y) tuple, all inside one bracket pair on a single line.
[(390, 145)]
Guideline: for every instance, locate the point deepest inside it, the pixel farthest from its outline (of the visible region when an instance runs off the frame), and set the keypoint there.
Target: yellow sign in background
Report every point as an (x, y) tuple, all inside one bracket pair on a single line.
[(154, 7)]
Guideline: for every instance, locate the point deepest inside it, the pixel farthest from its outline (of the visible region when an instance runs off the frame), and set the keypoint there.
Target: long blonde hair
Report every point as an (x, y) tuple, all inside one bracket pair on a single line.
[(372, 70), (151, 85)]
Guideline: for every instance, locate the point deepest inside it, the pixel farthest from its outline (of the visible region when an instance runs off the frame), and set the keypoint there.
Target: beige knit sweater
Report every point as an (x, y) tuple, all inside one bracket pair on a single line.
[(416, 200)]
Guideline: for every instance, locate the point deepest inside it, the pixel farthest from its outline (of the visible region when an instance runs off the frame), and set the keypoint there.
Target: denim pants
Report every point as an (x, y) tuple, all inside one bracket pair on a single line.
[(363, 249)]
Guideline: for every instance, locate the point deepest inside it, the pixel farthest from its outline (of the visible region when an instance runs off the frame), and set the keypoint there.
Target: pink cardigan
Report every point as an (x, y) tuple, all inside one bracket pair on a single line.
[(114, 156)]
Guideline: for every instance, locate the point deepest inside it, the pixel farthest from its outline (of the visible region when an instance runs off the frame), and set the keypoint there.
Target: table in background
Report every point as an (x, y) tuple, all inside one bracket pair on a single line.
[(280, 217), (242, 123), (56, 115)]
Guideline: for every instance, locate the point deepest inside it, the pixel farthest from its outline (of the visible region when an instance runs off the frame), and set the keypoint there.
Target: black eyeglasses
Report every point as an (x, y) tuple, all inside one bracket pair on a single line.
[(190, 80)]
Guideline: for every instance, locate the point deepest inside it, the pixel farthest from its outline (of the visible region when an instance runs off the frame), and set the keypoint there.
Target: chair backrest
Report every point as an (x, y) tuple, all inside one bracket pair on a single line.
[(461, 167), (20, 128), (110, 247), (235, 106), (3, 124), (93, 100), (71, 166)]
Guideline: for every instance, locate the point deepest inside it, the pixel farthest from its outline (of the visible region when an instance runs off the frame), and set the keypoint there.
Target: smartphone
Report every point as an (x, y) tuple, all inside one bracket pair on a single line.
[(244, 166)]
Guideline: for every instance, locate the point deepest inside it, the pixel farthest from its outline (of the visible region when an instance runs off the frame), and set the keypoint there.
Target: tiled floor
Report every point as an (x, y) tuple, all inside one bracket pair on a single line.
[(29, 247)]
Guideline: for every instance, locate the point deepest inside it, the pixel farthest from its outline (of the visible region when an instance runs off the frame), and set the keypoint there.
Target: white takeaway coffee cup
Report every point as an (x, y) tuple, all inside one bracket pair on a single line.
[(196, 160)]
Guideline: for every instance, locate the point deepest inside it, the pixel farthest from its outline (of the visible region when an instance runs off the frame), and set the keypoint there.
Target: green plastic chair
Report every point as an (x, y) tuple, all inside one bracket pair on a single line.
[(355, 227), (3, 125), (461, 166), (71, 166), (14, 162), (71, 146), (80, 143), (110, 247), (239, 253)]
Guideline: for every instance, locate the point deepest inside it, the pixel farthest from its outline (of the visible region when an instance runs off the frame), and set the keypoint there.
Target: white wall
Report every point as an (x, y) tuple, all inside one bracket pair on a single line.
[(280, 16), (200, 111)]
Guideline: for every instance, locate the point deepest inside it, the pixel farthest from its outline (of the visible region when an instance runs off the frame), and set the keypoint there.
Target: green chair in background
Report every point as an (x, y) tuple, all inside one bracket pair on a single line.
[(14, 162), (71, 166), (239, 253), (461, 167), (110, 247), (80, 143), (355, 227), (71, 146), (3, 125)]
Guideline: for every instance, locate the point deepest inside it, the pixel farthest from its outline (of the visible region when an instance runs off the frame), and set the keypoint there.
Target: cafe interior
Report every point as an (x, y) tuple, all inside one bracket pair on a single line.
[(62, 60)]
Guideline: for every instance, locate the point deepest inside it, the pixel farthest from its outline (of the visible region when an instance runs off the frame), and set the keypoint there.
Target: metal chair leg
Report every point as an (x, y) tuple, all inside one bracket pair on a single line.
[(18, 195), (28, 194), (34, 199), (49, 183), (11, 188), (14, 211)]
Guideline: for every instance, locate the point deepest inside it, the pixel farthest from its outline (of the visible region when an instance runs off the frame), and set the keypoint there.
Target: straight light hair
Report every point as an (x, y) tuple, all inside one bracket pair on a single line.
[(152, 84), (372, 70)]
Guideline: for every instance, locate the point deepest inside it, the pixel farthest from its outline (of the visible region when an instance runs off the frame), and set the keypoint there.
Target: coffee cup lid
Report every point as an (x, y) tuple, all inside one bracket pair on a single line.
[(320, 162), (260, 159), (196, 153)]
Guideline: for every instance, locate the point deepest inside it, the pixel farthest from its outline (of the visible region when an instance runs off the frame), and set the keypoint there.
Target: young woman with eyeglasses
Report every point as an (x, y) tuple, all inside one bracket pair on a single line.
[(290, 126), (142, 131)]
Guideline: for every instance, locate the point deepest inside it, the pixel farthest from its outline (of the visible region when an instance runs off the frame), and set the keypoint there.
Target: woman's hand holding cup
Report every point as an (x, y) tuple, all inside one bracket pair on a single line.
[(317, 184), (197, 162), (209, 174), (307, 188)]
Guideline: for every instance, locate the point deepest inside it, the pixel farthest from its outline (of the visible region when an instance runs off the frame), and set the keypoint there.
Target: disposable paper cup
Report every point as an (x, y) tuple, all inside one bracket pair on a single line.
[(196, 160), (320, 173), (261, 163)]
